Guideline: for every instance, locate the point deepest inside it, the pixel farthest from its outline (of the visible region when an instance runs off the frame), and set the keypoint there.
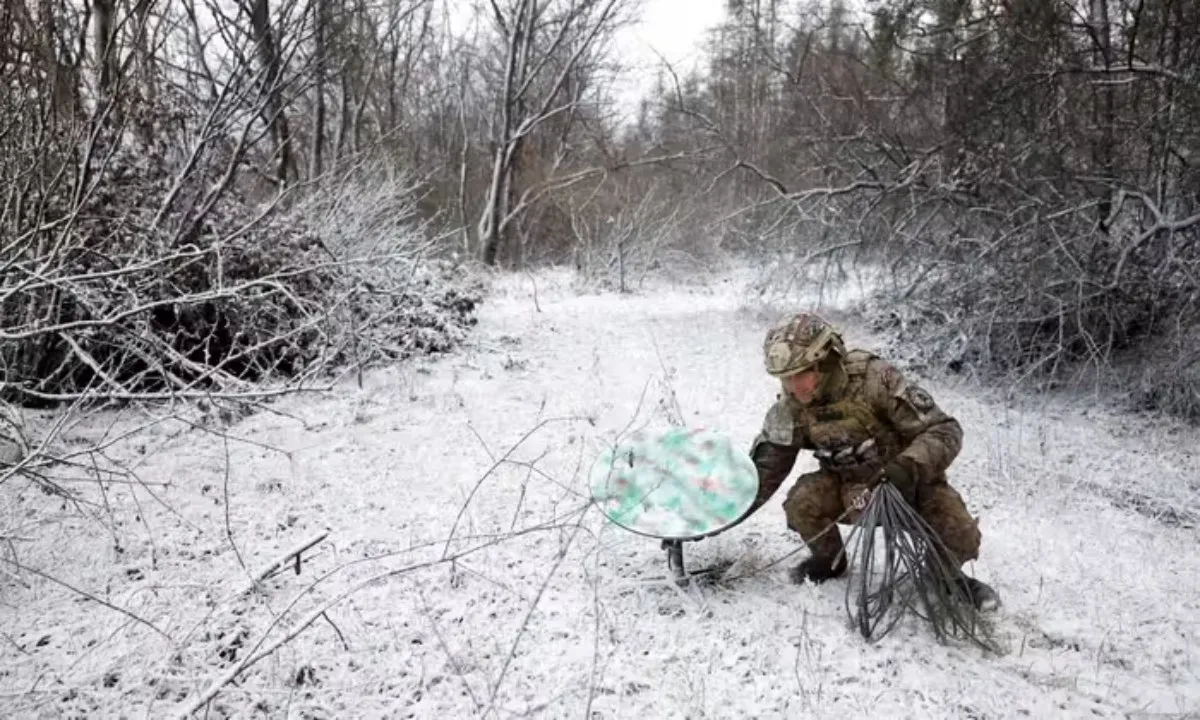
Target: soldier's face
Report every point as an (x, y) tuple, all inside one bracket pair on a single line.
[(803, 386)]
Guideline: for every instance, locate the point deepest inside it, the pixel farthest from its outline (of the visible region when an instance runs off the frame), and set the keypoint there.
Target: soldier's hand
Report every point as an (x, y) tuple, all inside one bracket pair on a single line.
[(898, 475), (860, 500), (849, 458)]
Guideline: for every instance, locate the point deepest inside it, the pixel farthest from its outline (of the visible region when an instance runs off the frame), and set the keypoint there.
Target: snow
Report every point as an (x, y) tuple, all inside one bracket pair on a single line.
[(548, 611)]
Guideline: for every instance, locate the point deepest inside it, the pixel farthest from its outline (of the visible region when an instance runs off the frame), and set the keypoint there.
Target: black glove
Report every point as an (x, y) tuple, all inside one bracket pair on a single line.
[(850, 461), (898, 474)]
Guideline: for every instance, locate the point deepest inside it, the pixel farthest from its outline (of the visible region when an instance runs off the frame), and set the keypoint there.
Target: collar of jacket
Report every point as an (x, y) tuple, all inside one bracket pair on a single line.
[(833, 385)]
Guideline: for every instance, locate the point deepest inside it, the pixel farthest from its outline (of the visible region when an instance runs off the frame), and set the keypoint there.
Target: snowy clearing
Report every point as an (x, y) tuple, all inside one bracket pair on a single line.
[(464, 574)]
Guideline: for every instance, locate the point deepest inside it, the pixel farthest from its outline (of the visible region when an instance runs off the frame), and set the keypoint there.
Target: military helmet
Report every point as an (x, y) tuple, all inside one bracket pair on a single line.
[(799, 342)]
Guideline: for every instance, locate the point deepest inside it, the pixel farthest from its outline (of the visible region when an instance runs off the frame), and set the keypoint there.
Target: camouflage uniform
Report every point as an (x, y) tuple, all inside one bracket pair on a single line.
[(867, 424)]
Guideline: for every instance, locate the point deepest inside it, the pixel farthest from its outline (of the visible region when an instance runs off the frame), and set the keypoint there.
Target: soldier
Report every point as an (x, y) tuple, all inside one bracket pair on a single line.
[(866, 425)]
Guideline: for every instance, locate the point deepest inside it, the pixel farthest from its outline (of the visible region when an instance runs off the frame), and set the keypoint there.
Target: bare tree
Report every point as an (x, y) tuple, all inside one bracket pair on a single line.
[(274, 114), (546, 44), (320, 62), (1024, 169)]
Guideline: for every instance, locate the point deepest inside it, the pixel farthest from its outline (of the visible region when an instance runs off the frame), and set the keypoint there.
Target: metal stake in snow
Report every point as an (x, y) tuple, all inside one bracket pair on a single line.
[(676, 484)]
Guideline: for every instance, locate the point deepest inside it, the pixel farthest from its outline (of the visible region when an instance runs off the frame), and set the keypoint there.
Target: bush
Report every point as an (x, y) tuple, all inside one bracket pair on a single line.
[(1054, 301), (148, 288)]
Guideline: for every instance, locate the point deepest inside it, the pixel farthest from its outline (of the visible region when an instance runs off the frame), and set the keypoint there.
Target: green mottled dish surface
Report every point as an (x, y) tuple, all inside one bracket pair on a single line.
[(678, 483)]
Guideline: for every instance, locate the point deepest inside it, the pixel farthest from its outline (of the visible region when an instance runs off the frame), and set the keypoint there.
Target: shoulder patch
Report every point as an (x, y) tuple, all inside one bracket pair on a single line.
[(889, 376), (918, 398)]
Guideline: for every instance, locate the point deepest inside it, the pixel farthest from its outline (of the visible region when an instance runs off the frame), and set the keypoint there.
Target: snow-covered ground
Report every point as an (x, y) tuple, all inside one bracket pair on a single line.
[(465, 575)]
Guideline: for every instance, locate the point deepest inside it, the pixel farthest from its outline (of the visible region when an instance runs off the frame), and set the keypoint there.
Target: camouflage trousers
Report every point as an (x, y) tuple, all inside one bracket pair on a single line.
[(818, 500)]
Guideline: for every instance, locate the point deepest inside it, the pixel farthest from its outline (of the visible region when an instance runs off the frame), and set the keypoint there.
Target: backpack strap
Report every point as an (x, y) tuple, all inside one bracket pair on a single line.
[(856, 361)]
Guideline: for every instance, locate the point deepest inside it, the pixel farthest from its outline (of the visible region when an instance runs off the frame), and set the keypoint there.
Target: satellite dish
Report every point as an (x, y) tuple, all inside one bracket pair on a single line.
[(676, 484)]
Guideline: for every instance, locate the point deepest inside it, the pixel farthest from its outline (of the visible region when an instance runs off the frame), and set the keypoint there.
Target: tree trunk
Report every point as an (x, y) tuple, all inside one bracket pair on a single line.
[(105, 52), (339, 148), (319, 60), (464, 157), (108, 112), (275, 117), (491, 223), (1103, 109)]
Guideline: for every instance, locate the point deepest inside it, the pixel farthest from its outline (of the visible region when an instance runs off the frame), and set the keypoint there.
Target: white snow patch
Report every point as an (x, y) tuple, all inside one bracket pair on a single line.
[(551, 612)]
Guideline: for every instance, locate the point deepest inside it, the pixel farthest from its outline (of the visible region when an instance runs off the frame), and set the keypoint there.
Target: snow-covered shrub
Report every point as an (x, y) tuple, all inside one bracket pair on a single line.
[(164, 281), (1054, 303)]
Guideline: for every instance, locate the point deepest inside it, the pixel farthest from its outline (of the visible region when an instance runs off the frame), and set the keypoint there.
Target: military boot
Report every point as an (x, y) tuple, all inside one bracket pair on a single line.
[(817, 570), (981, 595)]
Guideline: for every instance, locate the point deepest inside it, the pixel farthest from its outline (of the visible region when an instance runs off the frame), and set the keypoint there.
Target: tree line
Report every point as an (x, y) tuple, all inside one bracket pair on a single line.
[(1023, 168)]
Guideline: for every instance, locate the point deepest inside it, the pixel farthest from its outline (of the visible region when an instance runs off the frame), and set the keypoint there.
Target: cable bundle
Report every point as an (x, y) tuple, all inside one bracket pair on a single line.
[(911, 573)]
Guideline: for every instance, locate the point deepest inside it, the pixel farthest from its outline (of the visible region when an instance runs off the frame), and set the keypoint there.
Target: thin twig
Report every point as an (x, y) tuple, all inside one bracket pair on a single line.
[(479, 483), (89, 596), (228, 526), (255, 654)]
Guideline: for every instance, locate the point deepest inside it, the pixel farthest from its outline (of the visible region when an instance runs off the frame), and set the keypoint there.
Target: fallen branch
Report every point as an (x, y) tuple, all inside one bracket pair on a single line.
[(282, 560), (215, 687)]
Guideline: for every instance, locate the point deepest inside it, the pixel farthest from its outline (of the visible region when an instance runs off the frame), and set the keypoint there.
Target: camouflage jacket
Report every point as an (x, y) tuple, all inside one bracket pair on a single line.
[(871, 401)]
